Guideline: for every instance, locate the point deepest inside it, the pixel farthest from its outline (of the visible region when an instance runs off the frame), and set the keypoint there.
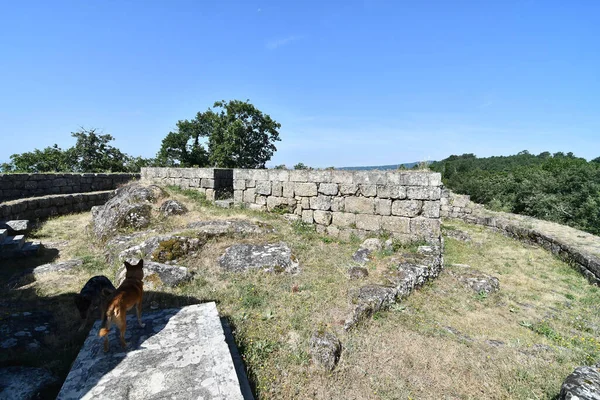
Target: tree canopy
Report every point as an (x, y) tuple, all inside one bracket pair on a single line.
[(557, 187), (236, 133), (91, 153)]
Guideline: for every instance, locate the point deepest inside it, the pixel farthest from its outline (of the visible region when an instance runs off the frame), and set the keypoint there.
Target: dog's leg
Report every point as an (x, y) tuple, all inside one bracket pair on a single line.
[(138, 310), (122, 324), (108, 324)]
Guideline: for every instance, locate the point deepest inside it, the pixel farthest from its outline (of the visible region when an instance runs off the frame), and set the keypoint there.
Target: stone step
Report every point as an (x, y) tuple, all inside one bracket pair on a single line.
[(13, 243), (3, 234), (16, 227), (179, 353), (29, 249)]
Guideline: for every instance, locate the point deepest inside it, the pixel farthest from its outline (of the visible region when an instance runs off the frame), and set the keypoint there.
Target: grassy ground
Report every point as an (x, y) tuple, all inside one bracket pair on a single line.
[(442, 342)]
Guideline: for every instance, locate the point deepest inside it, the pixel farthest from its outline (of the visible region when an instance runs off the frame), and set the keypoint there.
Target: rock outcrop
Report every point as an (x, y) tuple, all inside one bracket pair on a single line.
[(130, 207), (476, 280), (325, 349), (172, 207), (276, 257), (157, 275), (582, 384)]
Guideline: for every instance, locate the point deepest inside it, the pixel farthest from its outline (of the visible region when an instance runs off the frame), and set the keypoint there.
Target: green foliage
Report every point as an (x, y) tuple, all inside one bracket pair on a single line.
[(194, 195), (556, 187), (91, 153), (237, 134), (183, 148), (301, 166), (281, 166)]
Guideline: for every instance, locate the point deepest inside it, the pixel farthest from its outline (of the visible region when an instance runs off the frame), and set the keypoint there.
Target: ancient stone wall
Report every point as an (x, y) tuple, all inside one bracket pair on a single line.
[(21, 186), (213, 182), (340, 203), (552, 237), (53, 205)]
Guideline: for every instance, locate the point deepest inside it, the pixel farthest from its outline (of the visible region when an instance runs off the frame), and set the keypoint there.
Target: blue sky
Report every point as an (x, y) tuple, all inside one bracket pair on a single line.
[(366, 82)]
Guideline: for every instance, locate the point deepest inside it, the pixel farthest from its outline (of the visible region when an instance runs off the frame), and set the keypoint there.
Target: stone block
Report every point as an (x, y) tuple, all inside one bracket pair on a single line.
[(368, 222), (435, 179), (383, 206), (250, 183), (319, 175), (207, 183), (249, 195), (369, 177), (320, 203), (277, 189), (239, 184), (280, 175), (361, 205), (425, 227), (339, 176), (423, 193), (322, 217), (337, 204), (328, 189), (194, 182), (300, 175), (407, 208), (288, 189), (261, 200), (431, 209), (349, 189), (333, 230), (210, 194), (391, 192), (305, 189), (263, 187), (396, 224), (343, 220), (415, 178), (307, 216), (305, 203), (368, 190)]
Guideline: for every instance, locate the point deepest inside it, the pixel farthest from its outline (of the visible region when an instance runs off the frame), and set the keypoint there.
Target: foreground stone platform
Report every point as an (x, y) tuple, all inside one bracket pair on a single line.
[(179, 354)]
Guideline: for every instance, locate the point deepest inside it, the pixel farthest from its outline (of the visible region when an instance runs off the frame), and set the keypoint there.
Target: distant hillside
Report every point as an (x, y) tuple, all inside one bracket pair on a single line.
[(380, 167)]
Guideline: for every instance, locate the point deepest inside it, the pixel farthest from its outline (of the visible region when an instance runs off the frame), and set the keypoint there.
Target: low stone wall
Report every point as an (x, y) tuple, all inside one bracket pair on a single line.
[(20, 186), (212, 182), (340, 203), (53, 205), (551, 236)]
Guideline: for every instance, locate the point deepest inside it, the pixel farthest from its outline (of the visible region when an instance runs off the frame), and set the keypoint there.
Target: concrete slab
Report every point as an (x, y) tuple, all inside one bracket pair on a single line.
[(179, 354)]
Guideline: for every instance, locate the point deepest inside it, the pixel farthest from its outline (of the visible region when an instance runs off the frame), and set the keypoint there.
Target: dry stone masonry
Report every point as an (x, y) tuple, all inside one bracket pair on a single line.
[(340, 203)]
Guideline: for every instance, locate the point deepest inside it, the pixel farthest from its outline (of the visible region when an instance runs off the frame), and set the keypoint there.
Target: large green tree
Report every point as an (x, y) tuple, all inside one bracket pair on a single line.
[(237, 134)]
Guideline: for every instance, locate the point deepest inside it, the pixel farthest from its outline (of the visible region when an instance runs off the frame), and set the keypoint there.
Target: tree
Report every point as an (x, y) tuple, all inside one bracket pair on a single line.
[(242, 136), (281, 166), (183, 148), (92, 153), (50, 159), (301, 166)]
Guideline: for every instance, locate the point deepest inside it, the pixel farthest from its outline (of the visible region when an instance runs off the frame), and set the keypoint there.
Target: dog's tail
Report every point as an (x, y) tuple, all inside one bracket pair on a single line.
[(107, 319)]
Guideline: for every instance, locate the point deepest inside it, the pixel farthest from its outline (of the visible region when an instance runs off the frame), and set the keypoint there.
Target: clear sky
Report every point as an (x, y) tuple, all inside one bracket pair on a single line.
[(366, 82)]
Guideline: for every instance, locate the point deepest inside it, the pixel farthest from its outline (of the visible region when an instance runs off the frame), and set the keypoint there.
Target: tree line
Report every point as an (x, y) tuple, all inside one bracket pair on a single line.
[(232, 134), (556, 187)]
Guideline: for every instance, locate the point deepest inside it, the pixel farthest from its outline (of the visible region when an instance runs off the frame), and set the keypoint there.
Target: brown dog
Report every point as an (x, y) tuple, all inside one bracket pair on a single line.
[(127, 295)]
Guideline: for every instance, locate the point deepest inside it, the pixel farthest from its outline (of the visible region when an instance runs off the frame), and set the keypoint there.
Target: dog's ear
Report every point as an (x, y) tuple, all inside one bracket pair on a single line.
[(107, 292), (140, 263), (127, 265)]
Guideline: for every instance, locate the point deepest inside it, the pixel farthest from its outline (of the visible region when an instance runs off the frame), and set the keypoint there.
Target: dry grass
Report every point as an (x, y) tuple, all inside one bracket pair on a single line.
[(431, 346)]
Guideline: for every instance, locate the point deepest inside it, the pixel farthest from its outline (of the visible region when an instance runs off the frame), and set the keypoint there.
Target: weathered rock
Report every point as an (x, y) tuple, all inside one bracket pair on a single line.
[(366, 248), (180, 353), (325, 349), (357, 272), (224, 227), (457, 234), (162, 248), (157, 275), (582, 384), (26, 331), (24, 383), (121, 242), (16, 227), (172, 207), (31, 274), (130, 207), (367, 300), (276, 257), (476, 280)]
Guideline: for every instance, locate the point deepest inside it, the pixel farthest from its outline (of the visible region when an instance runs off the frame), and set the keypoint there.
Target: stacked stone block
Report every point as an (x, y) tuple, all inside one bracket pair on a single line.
[(212, 182), (20, 186), (48, 206), (457, 205), (343, 203)]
